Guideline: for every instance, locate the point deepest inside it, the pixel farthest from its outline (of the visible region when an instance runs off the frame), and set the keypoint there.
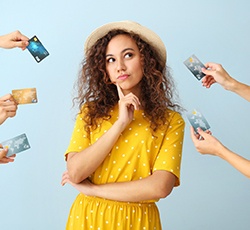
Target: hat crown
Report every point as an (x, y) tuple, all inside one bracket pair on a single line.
[(146, 34)]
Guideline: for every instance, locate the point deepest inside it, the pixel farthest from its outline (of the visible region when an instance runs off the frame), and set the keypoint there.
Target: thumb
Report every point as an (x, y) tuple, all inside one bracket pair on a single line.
[(202, 133), (3, 153), (207, 71), (21, 44), (194, 136)]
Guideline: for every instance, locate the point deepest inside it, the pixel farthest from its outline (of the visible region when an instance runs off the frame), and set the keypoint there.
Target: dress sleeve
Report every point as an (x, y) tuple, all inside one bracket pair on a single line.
[(169, 157), (80, 138)]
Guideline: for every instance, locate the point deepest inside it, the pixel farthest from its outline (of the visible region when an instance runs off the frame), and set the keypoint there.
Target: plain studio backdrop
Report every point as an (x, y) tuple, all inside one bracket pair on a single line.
[(212, 194)]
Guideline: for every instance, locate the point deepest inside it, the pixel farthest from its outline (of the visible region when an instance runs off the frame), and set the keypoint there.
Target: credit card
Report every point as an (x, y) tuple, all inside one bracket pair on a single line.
[(197, 120), (37, 49), (25, 96), (16, 145), (195, 66)]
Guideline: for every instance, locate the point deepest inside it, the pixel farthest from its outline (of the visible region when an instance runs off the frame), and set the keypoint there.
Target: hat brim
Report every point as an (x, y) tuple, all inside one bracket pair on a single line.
[(129, 26)]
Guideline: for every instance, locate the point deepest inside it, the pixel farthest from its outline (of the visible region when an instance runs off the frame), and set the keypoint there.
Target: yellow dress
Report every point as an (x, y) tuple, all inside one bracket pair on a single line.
[(136, 155)]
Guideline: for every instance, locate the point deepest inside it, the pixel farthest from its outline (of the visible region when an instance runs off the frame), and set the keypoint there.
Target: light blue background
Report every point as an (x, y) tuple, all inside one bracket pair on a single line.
[(212, 195)]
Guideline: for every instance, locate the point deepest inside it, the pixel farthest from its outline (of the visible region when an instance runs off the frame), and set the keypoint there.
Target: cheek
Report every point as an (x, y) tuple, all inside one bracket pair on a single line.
[(110, 75), (112, 79), (139, 67), (140, 63)]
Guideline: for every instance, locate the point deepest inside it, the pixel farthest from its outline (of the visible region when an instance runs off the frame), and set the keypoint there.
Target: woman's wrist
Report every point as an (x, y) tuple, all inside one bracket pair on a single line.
[(231, 84), (120, 125), (221, 150)]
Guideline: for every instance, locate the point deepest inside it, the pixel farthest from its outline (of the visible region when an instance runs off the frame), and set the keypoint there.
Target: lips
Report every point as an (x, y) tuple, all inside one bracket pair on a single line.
[(123, 77)]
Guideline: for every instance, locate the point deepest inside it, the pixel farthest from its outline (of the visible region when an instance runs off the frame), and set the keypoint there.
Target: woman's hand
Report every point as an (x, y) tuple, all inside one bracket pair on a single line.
[(127, 104), (3, 158), (8, 107), (85, 187), (204, 142), (14, 39)]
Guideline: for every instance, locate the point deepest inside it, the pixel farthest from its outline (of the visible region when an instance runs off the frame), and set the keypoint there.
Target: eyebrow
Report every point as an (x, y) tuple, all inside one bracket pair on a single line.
[(123, 51)]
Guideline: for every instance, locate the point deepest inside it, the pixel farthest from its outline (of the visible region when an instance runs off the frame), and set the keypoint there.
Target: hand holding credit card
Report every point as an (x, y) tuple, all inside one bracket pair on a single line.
[(37, 49), (197, 120), (195, 66), (16, 145), (25, 96)]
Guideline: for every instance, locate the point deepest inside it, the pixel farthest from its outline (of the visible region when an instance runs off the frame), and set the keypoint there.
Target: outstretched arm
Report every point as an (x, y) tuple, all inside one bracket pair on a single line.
[(208, 144), (14, 39), (215, 73)]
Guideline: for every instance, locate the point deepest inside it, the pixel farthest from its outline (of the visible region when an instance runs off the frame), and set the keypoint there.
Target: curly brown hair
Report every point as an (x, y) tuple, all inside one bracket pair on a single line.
[(99, 95)]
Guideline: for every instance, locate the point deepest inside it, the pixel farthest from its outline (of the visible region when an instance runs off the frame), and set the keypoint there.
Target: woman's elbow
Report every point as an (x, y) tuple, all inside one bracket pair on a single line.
[(164, 183), (75, 175), (163, 192)]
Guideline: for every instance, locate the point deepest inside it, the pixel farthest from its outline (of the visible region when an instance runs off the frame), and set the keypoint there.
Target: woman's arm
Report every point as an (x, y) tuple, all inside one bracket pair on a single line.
[(240, 163), (82, 164), (14, 39), (158, 185), (208, 144), (242, 90), (217, 74)]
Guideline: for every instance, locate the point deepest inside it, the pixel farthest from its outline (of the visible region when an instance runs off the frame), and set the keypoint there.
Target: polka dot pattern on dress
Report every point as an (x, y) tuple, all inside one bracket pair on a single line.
[(136, 155)]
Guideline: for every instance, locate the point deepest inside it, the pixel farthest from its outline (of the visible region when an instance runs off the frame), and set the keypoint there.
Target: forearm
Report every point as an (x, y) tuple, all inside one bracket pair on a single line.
[(2, 117), (159, 185), (134, 191), (80, 165), (1, 41), (4, 114), (241, 89), (237, 161)]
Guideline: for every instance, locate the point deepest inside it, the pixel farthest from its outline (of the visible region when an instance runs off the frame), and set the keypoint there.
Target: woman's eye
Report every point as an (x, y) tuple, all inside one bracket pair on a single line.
[(110, 60), (128, 55)]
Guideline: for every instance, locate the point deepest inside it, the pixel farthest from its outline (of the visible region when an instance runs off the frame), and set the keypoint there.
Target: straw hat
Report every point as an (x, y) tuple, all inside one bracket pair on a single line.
[(129, 26)]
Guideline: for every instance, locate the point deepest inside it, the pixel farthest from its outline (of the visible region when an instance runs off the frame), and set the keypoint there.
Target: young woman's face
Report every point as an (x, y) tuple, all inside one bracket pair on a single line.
[(123, 63)]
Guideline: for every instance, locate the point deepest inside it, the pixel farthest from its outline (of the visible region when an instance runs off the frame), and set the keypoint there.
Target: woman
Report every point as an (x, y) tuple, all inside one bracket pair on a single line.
[(126, 147)]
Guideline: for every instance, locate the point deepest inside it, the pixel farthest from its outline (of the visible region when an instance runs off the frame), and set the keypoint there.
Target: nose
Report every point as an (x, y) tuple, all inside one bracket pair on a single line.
[(120, 65)]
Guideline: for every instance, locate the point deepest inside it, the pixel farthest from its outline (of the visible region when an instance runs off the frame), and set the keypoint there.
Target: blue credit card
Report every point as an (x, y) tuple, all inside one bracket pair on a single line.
[(37, 49), (195, 66), (16, 145), (197, 120)]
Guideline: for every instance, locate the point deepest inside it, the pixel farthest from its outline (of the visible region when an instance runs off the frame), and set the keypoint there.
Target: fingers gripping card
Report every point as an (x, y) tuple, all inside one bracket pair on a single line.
[(16, 145), (197, 120), (37, 49), (25, 96), (195, 66)]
